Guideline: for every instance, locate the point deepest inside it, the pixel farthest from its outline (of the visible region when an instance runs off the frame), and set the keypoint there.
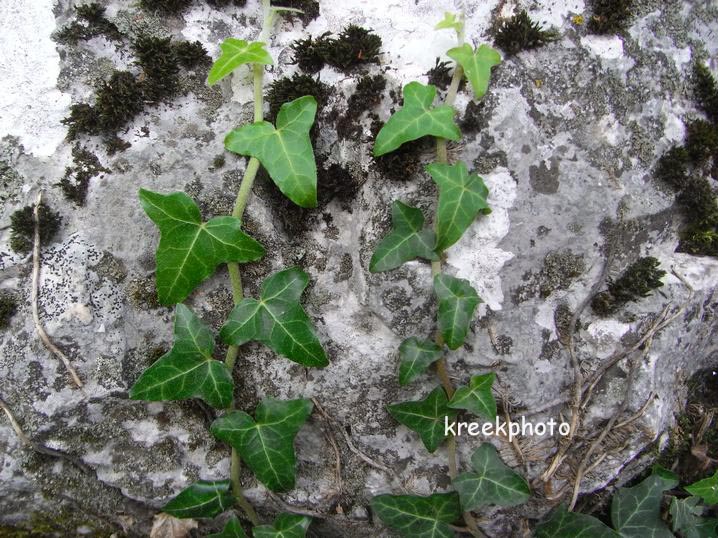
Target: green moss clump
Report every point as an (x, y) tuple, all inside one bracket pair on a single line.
[(225, 3), (22, 227), (287, 89), (440, 74), (91, 22), (310, 9), (191, 54), (672, 168), (160, 67), (706, 91), (310, 54), (353, 47), (637, 281), (610, 16), (166, 7), (521, 33), (8, 308), (76, 181)]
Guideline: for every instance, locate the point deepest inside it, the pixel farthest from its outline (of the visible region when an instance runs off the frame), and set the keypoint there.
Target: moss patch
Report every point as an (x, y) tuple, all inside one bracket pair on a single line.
[(8, 308), (440, 74), (310, 9), (637, 281), (22, 227), (76, 181), (225, 3), (166, 7), (610, 16), (91, 22), (521, 33), (368, 94), (287, 89), (353, 47)]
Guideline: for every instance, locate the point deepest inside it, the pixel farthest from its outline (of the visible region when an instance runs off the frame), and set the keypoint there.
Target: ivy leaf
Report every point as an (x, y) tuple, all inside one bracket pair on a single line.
[(457, 302), (477, 398), (706, 489), (188, 369), (407, 240), (416, 356), (285, 526), (266, 444), (492, 483), (450, 22), (477, 65), (236, 52), (686, 519), (426, 417), (190, 250), (564, 524), (419, 517), (277, 320), (202, 499), (417, 118), (461, 198), (233, 529), (286, 152), (636, 511)]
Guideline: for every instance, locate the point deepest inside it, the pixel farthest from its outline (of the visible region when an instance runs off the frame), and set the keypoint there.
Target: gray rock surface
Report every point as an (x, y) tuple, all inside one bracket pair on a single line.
[(569, 134)]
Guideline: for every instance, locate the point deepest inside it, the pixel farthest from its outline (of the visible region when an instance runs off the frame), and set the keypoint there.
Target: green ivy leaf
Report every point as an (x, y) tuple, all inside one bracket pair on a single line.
[(190, 250), (202, 499), (266, 444), (457, 303), (286, 152), (493, 482), (425, 417), (419, 517), (636, 511), (233, 529), (188, 369), (416, 119), (407, 240), (477, 398), (686, 519), (236, 52), (277, 320), (564, 524), (285, 526), (477, 65), (416, 356), (462, 196), (450, 22), (706, 489)]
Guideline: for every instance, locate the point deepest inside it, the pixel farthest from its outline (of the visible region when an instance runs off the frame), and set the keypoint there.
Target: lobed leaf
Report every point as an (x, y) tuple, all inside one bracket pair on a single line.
[(285, 151), (202, 499), (686, 519), (477, 65), (457, 303), (450, 22), (416, 119), (285, 526), (277, 320), (564, 524), (190, 250), (416, 356), (407, 240), (188, 369), (426, 417), (236, 52), (419, 517), (233, 529), (266, 444), (462, 196), (493, 482), (477, 398), (706, 489)]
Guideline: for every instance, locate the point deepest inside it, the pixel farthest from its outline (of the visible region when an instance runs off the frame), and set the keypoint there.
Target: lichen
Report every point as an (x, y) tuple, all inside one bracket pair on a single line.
[(8, 308), (521, 33), (636, 282), (76, 181), (353, 47), (91, 22), (142, 293), (610, 16), (22, 227), (559, 269)]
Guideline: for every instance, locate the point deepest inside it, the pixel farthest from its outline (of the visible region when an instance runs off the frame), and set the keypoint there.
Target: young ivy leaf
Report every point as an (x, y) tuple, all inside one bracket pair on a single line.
[(190, 250), (236, 52), (492, 482), (462, 196), (285, 526), (417, 118), (425, 417), (233, 529), (477, 398), (450, 22), (564, 524), (419, 517), (407, 240), (277, 320), (416, 356), (477, 65), (686, 519), (201, 499), (457, 302), (706, 489), (266, 444), (188, 369), (285, 151)]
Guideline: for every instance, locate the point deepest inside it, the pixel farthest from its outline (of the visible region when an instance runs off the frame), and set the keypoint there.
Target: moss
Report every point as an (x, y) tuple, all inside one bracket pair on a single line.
[(699, 241), (637, 281), (91, 22), (403, 163), (8, 308), (610, 16), (160, 67), (334, 181), (706, 91), (521, 33), (225, 3), (22, 227), (218, 162), (699, 202), (310, 53), (672, 168), (76, 181), (472, 119), (440, 74), (368, 94), (166, 7), (287, 89), (353, 47), (310, 9), (191, 54)]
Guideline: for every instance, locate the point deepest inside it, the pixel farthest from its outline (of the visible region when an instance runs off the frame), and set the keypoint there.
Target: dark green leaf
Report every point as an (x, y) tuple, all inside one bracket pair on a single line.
[(492, 482), (457, 302), (419, 517), (233, 529), (462, 196), (286, 152), (190, 250), (285, 526), (266, 444), (564, 524), (188, 369), (426, 417), (477, 65), (407, 240), (417, 118), (706, 489), (277, 320), (236, 52), (416, 356), (686, 518), (201, 499), (477, 398)]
